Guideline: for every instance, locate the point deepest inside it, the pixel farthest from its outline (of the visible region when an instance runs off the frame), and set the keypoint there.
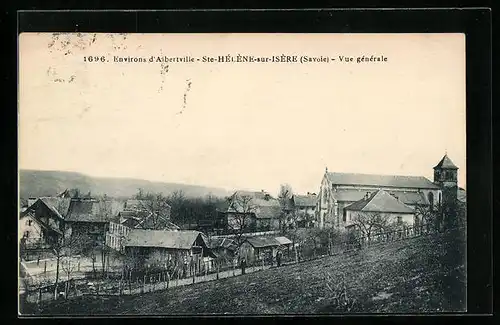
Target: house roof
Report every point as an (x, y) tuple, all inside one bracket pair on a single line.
[(353, 195), (58, 205), (31, 214), (305, 200), (446, 163), (261, 242), (263, 205), (159, 223), (163, 238), (223, 243), (130, 222), (283, 240), (133, 214), (380, 201), (134, 204), (89, 210), (381, 180)]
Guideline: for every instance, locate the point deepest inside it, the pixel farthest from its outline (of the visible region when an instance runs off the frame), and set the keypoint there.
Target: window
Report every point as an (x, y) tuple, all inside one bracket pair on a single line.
[(400, 219), (26, 234), (344, 217), (29, 222), (431, 200)]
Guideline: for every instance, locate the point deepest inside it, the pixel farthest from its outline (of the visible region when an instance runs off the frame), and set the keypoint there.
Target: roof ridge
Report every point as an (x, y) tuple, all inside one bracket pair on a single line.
[(372, 174)]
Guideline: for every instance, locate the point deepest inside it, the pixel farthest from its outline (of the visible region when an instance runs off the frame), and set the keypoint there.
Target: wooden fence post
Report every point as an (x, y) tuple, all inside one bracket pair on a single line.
[(233, 268)]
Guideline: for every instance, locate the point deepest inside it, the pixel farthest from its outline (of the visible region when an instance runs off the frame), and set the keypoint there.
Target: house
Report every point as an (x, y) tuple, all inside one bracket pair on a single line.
[(339, 190), (135, 205), (116, 235), (140, 214), (255, 249), (224, 247), (381, 205), (30, 230), (253, 211), (118, 231), (304, 208), (89, 217), (156, 222), (158, 248), (48, 213)]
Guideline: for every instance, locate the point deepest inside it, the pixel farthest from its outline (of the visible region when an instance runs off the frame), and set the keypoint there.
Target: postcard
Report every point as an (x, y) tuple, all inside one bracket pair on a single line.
[(241, 174)]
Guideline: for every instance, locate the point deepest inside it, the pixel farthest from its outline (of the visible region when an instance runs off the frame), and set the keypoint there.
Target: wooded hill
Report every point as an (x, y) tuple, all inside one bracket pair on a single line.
[(35, 183)]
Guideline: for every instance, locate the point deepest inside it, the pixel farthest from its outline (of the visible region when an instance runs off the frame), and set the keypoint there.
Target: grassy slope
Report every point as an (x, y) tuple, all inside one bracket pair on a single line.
[(419, 275)]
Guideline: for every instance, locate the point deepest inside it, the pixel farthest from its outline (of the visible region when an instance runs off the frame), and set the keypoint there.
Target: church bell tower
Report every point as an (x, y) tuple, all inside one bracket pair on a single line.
[(445, 176)]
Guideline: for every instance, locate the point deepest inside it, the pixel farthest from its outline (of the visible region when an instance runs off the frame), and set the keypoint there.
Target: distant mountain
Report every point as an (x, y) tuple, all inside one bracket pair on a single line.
[(35, 183)]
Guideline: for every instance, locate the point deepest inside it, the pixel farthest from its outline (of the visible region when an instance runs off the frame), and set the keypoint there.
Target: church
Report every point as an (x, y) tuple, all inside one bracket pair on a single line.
[(340, 190)]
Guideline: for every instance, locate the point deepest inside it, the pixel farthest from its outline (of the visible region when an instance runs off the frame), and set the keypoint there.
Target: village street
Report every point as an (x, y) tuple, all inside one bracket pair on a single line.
[(44, 270)]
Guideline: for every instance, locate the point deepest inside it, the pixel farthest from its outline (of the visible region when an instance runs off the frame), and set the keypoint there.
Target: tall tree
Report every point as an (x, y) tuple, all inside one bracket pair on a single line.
[(284, 197), (158, 210), (66, 248), (240, 218)]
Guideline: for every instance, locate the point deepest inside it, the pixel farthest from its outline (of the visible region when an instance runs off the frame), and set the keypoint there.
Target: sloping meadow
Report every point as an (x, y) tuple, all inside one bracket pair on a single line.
[(420, 275)]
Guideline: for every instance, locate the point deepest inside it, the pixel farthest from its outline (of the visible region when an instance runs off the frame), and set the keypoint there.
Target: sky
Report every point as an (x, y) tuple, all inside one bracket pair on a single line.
[(241, 125)]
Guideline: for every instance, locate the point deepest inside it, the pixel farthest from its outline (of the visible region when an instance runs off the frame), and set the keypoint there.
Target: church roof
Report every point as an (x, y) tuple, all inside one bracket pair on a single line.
[(353, 195), (380, 201), (381, 180), (446, 163)]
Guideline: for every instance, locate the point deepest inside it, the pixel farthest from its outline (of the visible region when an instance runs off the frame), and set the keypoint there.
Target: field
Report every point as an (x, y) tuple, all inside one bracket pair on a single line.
[(419, 275)]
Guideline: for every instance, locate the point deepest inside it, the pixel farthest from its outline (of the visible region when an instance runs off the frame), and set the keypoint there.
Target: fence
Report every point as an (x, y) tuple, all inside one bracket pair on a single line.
[(131, 283)]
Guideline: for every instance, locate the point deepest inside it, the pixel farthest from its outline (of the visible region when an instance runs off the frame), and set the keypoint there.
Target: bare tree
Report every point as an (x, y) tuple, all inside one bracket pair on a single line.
[(284, 196), (140, 194), (66, 248), (177, 202), (158, 211), (427, 216), (240, 219), (369, 222)]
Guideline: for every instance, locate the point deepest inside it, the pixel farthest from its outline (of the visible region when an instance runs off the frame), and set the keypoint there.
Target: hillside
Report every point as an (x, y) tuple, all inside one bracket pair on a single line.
[(420, 275), (35, 183)]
